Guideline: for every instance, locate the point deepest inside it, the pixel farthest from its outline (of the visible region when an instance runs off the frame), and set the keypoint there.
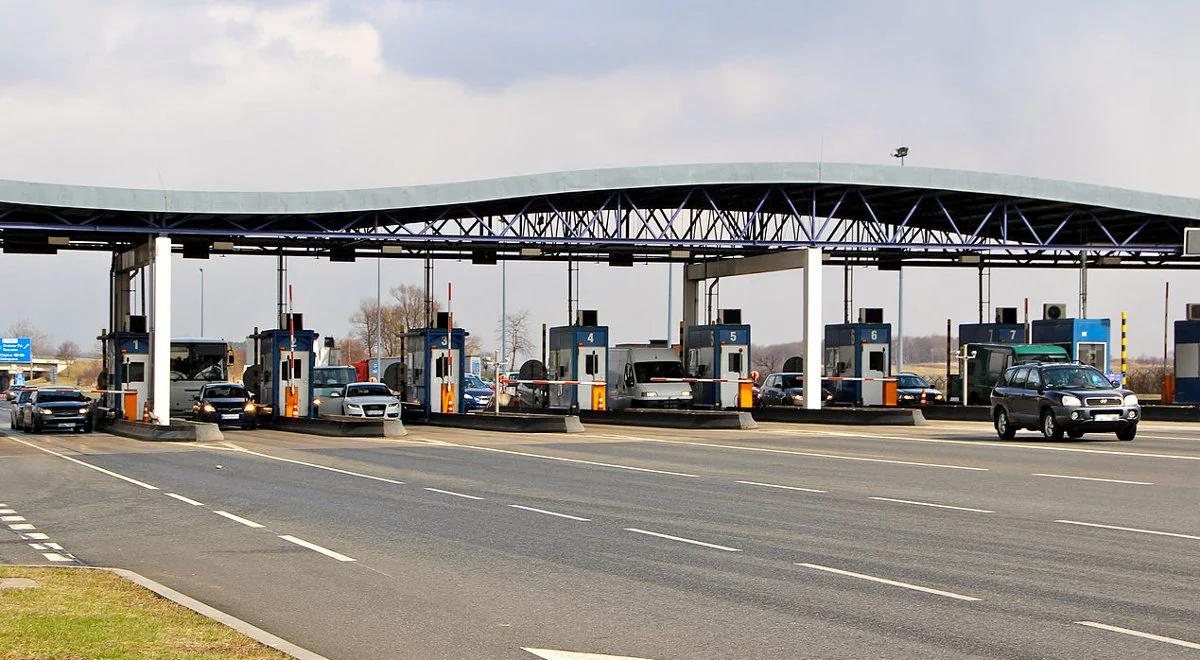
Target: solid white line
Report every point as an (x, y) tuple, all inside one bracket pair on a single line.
[(313, 546), (939, 506), (87, 465), (181, 498), (21, 527), (816, 454), (894, 583), (549, 513), (450, 492), (1138, 633), (1130, 529), (54, 556), (680, 538), (552, 654), (248, 523), (1111, 481), (759, 483), (573, 460), (317, 466), (12, 518)]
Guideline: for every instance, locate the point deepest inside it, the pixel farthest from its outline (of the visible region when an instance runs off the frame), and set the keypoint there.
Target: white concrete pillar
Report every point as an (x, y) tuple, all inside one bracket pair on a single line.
[(814, 329), (691, 299), (160, 332)]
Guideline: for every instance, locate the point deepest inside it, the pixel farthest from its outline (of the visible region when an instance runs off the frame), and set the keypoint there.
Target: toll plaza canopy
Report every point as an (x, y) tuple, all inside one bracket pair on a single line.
[(857, 213)]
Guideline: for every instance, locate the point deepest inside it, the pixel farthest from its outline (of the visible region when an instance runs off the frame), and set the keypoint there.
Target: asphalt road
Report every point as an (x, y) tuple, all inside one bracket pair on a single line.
[(786, 541)]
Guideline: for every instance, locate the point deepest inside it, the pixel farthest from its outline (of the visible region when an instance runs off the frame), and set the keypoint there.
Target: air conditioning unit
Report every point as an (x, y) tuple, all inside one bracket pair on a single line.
[(135, 323), (870, 315), (297, 321), (1193, 312), (588, 317), (1054, 311), (729, 316), (442, 321), (1006, 315)]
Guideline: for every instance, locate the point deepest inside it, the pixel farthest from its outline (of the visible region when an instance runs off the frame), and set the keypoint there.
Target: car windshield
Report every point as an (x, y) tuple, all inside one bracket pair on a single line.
[(475, 381), (792, 380), (225, 392), (644, 371), (368, 390), (58, 397), (339, 376), (912, 382), (1075, 378)]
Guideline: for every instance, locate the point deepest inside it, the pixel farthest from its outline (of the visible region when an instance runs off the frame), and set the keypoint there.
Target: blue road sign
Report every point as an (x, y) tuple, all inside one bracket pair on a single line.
[(16, 349), (19, 379)]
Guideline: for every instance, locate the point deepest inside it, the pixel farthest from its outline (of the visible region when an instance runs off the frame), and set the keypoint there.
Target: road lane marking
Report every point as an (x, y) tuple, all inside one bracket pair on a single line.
[(244, 521), (682, 539), (1130, 529), (939, 506), (1111, 481), (759, 483), (1138, 633), (12, 518), (317, 466), (316, 548), (86, 465), (18, 527), (6, 511), (894, 583), (54, 546), (54, 556), (984, 443), (35, 536), (549, 513), (573, 460), (181, 498), (450, 492), (816, 454), (37, 546), (552, 654)]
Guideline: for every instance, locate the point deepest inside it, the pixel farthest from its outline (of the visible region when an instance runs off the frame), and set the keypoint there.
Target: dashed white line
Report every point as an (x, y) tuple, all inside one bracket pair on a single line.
[(6, 511), (816, 454), (316, 548), (317, 466), (35, 536), (12, 518), (54, 556), (181, 498), (1111, 481), (54, 546), (575, 460), (450, 492), (37, 546), (894, 583), (937, 506), (18, 527), (682, 539), (550, 513), (239, 519), (86, 465), (1138, 633), (1130, 529), (759, 483)]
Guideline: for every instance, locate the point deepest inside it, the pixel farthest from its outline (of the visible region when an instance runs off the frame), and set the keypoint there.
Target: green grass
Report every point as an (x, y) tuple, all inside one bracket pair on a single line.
[(81, 613)]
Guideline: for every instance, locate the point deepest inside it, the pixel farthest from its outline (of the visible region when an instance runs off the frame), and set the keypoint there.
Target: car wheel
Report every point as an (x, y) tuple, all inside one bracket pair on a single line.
[(1127, 434), (1004, 427), (1050, 427), (37, 427), (1074, 435)]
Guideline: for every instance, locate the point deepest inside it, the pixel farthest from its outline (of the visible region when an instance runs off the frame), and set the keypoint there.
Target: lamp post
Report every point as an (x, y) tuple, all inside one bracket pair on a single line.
[(201, 302), (901, 153)]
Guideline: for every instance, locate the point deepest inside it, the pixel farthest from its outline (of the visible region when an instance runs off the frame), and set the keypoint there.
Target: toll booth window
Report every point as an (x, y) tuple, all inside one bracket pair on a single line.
[(592, 365), (441, 367), (135, 372), (735, 363), (283, 369), (875, 361)]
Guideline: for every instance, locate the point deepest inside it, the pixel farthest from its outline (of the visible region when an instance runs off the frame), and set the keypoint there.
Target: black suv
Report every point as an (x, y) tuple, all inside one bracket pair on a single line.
[(57, 408), (1063, 398)]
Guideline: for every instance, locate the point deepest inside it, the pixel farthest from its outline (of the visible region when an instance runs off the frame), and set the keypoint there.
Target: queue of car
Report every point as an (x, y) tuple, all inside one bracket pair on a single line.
[(40, 409)]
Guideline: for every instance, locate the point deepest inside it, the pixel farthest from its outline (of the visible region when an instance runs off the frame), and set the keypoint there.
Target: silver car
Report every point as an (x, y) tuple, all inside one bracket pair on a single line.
[(363, 400)]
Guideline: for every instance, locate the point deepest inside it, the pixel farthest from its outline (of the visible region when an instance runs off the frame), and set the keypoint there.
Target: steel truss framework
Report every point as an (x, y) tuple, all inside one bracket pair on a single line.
[(851, 222)]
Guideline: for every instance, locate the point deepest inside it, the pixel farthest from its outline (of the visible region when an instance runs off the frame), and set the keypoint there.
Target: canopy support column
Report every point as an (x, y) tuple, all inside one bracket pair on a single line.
[(160, 334), (813, 328)]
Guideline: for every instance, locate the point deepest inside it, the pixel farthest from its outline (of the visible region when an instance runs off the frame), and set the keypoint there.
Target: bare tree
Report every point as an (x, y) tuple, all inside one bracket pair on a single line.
[(409, 308), (516, 336), (40, 340), (67, 350)]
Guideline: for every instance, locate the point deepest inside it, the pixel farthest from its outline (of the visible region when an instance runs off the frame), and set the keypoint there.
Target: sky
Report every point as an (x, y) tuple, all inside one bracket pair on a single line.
[(334, 94)]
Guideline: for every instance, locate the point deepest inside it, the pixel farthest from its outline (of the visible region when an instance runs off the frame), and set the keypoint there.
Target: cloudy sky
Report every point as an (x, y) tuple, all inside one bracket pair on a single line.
[(330, 94)]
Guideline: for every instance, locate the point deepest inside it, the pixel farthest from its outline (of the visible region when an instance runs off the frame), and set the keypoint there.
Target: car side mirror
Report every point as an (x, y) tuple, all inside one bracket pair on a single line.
[(335, 395)]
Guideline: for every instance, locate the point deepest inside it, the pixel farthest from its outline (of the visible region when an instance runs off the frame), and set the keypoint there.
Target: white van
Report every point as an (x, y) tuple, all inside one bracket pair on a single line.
[(630, 368)]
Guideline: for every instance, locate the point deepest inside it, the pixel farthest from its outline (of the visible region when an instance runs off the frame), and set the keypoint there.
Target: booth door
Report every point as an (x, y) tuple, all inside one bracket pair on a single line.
[(874, 365), (135, 375), (446, 378), (299, 377), (733, 368), (592, 367)]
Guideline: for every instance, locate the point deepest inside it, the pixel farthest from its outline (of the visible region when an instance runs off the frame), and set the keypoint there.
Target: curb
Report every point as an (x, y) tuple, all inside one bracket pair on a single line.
[(253, 632)]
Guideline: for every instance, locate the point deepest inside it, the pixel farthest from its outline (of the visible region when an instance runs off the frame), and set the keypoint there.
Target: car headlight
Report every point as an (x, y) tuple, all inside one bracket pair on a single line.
[(45, 411), (353, 406), (208, 407), (317, 401), (1130, 400), (937, 397), (908, 396), (649, 395), (84, 410), (797, 397), (249, 407), (1069, 400)]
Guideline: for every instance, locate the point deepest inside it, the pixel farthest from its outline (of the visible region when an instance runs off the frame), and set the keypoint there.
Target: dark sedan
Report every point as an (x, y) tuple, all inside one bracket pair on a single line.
[(1063, 398), (57, 408), (786, 389), (225, 404), (913, 390)]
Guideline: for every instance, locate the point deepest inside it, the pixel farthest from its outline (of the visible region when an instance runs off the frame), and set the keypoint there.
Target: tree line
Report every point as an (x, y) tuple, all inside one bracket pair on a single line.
[(42, 343)]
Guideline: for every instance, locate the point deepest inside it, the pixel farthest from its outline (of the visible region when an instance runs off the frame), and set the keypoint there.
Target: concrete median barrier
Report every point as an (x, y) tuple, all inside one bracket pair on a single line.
[(179, 430), (337, 426), (672, 419), (847, 416), (948, 413), (507, 422), (1161, 413)]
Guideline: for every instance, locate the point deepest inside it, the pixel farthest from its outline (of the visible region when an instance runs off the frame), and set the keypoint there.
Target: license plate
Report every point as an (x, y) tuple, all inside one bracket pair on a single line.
[(374, 413), (62, 424), (1107, 418), (229, 416)]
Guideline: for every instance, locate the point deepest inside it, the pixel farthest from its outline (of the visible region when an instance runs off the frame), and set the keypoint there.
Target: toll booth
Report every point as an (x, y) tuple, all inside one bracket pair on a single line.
[(1187, 362), (127, 355), (991, 333), (1085, 340), (857, 351), (580, 353), (721, 352), (433, 377), (283, 377)]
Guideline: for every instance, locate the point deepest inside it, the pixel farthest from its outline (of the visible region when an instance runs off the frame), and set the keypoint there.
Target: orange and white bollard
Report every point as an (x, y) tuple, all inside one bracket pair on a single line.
[(146, 413)]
